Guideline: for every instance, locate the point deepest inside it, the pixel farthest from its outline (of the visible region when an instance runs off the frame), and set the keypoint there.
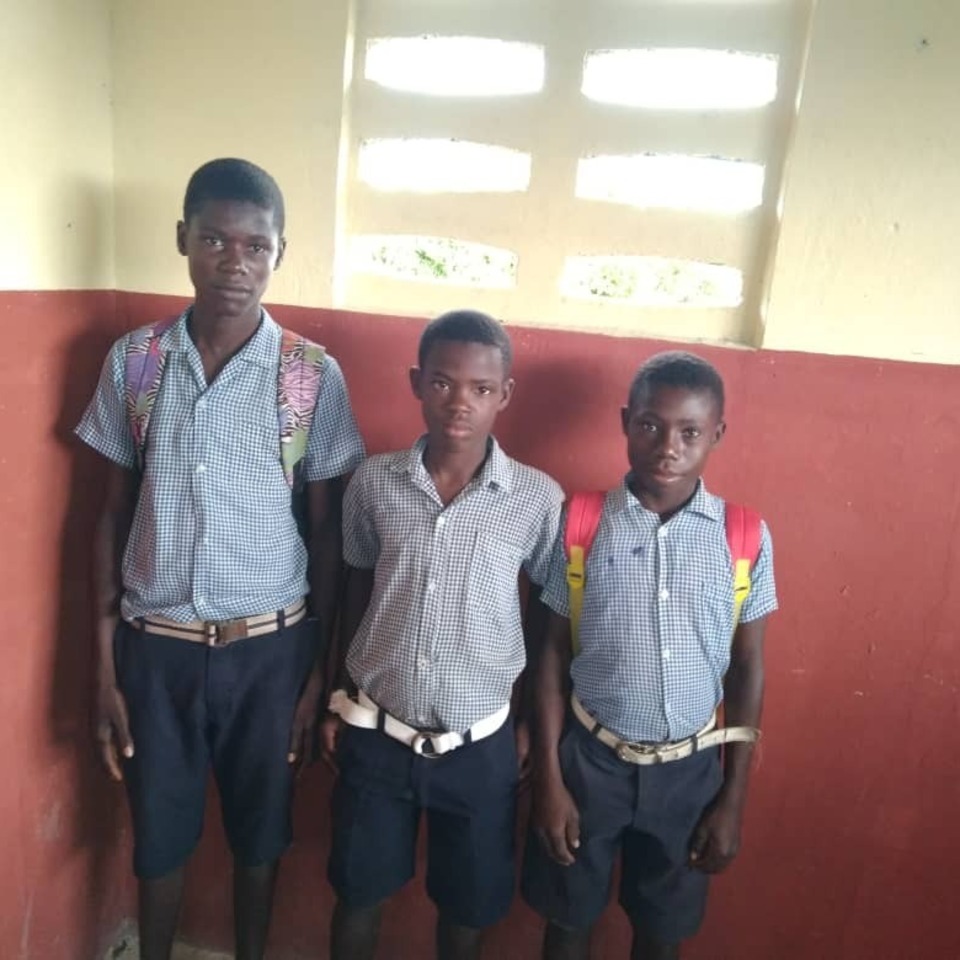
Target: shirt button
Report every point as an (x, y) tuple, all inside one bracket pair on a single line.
[(423, 663), (201, 468), (666, 654), (441, 521), (664, 594), (201, 601), (662, 533), (431, 586)]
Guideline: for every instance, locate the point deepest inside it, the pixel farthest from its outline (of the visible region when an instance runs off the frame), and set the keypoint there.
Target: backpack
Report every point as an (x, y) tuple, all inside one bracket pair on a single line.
[(298, 386), (583, 519)]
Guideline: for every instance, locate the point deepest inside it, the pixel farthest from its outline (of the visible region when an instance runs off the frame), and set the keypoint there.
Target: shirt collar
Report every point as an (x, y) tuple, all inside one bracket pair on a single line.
[(262, 349), (497, 469), (702, 502)]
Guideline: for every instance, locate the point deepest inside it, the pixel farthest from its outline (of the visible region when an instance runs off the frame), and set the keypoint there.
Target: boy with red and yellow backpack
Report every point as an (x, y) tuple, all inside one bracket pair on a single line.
[(646, 592)]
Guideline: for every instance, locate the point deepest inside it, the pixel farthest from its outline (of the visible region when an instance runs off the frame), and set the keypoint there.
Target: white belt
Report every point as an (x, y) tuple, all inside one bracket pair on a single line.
[(651, 753), (363, 712)]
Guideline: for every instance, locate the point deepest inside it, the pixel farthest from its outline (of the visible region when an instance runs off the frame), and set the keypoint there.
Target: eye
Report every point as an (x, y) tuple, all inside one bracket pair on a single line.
[(645, 426), (213, 241), (691, 433), (484, 390), (440, 385)]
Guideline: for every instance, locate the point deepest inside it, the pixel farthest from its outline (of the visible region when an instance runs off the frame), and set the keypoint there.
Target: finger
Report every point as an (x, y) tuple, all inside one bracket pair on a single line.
[(558, 849), (108, 755), (296, 742), (573, 832), (121, 724)]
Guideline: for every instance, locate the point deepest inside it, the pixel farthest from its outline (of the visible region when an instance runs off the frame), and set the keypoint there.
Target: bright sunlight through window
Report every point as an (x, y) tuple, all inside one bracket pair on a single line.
[(680, 79), (433, 260), (652, 281), (442, 166), (455, 66), (676, 182)]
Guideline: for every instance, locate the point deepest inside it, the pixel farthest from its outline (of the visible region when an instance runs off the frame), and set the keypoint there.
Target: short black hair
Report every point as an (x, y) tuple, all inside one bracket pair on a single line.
[(466, 326), (231, 179), (676, 368)]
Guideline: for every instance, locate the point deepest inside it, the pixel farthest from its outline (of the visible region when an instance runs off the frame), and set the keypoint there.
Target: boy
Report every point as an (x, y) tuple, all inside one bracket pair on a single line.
[(206, 658), (655, 663), (434, 538)]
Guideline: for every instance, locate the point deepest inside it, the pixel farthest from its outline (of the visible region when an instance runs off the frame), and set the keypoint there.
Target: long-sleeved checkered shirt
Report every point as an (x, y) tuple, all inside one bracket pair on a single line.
[(657, 619), (213, 535), (441, 643)]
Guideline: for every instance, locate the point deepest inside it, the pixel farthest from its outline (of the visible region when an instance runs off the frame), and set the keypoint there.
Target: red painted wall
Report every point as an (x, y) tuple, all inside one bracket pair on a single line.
[(63, 876), (850, 840)]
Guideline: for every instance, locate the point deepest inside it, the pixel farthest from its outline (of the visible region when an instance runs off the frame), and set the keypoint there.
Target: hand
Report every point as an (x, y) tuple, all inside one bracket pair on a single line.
[(330, 729), (716, 839), (556, 820), (303, 730), (112, 729), (524, 761)]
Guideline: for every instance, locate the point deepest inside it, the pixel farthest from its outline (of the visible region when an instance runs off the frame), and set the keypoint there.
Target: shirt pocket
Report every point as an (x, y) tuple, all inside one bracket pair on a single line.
[(492, 595), (714, 622)]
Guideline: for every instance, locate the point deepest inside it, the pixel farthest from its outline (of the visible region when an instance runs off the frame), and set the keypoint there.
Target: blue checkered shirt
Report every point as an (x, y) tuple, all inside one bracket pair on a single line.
[(657, 616), (213, 535), (441, 643)]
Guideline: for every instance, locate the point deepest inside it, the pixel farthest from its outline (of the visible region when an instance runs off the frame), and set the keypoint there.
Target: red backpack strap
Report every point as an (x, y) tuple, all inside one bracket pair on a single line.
[(743, 539), (584, 510), (143, 372)]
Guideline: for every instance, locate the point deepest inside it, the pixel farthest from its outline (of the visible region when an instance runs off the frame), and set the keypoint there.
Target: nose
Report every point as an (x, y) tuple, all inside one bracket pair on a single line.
[(232, 260), (670, 444), (459, 398)]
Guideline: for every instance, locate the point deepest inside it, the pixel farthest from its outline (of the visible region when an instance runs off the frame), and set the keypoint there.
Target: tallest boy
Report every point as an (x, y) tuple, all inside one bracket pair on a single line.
[(205, 654)]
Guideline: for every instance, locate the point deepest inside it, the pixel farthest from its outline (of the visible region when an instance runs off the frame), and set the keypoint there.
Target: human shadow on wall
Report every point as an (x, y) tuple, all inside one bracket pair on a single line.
[(98, 831)]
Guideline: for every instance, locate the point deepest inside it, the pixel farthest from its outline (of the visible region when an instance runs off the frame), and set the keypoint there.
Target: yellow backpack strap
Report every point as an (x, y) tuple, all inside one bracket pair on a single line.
[(584, 510), (743, 539)]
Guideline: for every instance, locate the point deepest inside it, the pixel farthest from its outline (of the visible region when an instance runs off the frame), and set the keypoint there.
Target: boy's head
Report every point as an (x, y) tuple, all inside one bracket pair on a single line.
[(672, 421), (463, 377), (231, 233)]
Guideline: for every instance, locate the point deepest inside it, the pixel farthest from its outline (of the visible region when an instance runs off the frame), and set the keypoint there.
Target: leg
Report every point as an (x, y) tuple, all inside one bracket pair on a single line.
[(354, 933), (562, 944), (647, 947), (252, 905), (374, 826), (159, 907), (458, 943)]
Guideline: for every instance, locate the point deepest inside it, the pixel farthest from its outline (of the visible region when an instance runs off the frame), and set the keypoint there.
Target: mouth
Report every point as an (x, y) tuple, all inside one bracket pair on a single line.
[(230, 291), (457, 428)]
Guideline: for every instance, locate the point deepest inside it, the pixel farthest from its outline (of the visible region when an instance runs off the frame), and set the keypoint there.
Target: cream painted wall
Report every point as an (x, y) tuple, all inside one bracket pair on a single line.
[(866, 262), (196, 81), (56, 165)]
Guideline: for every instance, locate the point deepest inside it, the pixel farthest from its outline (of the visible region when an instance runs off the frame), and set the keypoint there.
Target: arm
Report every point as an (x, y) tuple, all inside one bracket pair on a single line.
[(356, 600), (555, 815), (717, 837), (113, 528), (324, 505)]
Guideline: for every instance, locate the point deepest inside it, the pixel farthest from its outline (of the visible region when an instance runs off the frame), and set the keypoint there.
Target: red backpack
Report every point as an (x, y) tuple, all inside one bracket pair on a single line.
[(583, 519)]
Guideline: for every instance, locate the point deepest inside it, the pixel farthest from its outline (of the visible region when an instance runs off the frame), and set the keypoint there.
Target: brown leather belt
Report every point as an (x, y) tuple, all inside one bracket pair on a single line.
[(221, 633)]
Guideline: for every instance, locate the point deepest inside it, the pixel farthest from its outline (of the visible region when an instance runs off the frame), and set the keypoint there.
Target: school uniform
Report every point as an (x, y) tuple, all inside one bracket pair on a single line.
[(655, 636), (434, 660), (214, 539)]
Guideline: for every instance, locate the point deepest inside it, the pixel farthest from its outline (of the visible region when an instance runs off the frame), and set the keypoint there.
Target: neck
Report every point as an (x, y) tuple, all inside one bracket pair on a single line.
[(663, 502), (459, 463), (222, 333)]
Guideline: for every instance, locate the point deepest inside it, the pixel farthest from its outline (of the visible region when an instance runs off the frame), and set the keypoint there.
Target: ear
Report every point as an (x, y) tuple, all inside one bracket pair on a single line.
[(507, 394), (625, 420), (719, 432), (182, 238), (281, 250), (415, 374)]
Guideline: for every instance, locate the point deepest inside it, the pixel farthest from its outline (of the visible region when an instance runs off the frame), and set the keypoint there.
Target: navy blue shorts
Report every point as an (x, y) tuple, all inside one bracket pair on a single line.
[(469, 796), (647, 814), (195, 708)]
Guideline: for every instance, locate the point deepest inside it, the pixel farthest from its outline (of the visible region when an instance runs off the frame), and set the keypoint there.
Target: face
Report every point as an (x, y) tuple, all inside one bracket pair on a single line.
[(461, 387), (232, 248), (670, 433)]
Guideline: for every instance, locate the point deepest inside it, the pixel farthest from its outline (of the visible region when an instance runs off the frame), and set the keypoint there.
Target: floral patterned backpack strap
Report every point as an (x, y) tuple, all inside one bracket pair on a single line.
[(298, 387), (143, 372)]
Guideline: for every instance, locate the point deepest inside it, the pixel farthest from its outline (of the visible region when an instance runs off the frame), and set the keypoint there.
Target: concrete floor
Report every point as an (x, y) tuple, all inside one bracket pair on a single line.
[(126, 949)]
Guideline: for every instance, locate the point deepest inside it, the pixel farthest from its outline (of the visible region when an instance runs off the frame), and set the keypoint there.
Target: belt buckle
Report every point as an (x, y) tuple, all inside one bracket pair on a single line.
[(220, 633), (421, 741), (631, 752)]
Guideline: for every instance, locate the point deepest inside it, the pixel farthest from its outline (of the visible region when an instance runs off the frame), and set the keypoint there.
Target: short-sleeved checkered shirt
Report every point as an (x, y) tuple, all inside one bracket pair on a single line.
[(213, 535), (657, 617), (441, 643)]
